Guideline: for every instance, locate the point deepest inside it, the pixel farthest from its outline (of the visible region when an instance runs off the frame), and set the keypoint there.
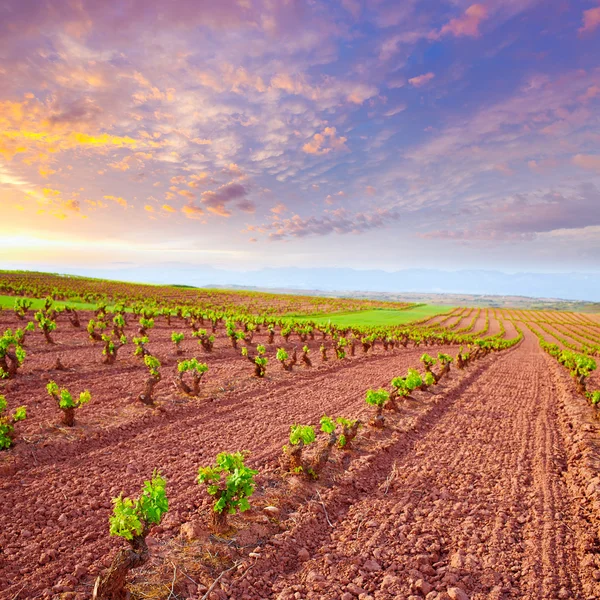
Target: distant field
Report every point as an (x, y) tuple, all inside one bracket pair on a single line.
[(380, 317), (38, 303)]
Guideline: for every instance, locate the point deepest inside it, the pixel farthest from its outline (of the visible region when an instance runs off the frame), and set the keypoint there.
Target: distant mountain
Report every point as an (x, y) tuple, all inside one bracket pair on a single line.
[(567, 286)]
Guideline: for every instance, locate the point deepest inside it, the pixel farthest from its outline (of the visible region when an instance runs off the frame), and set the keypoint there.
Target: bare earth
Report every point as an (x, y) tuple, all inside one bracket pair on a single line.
[(473, 492)]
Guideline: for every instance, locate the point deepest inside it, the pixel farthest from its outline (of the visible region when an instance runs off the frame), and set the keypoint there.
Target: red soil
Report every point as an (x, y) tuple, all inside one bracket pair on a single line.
[(465, 493)]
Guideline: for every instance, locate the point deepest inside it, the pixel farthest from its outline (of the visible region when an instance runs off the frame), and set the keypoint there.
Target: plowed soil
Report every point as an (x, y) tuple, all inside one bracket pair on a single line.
[(466, 493)]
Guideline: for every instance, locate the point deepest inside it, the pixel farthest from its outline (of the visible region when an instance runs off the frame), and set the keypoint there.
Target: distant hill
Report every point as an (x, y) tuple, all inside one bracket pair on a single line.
[(474, 287)]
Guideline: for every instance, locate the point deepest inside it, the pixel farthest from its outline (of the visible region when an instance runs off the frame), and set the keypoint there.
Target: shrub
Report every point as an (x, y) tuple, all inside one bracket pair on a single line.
[(300, 436), (328, 427), (66, 403), (231, 483), (22, 305), (177, 338), (132, 520), (140, 346), (111, 348), (594, 398), (259, 360), (350, 429), (46, 325), (283, 356), (145, 324), (196, 370), (12, 353), (154, 378), (7, 423), (305, 358), (378, 399), (206, 341)]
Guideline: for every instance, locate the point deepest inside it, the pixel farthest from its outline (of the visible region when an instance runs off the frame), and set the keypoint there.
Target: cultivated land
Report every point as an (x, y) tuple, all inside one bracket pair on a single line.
[(484, 485)]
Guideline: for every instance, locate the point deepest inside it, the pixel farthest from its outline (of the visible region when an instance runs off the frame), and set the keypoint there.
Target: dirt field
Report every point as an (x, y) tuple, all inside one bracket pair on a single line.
[(479, 490)]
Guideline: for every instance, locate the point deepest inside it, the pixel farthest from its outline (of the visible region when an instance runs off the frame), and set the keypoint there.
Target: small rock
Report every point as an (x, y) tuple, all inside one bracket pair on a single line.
[(423, 586), (596, 574), (388, 581), (303, 554), (63, 519), (347, 596), (457, 594), (191, 530), (271, 511), (372, 565), (564, 593), (314, 576), (80, 571)]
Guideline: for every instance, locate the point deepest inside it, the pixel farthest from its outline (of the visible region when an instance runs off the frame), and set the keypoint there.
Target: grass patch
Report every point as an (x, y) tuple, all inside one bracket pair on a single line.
[(378, 317), (8, 302)]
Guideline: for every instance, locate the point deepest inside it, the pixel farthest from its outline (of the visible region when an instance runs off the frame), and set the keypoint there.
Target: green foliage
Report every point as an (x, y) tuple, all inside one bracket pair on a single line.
[(153, 365), (428, 360), (444, 359), (304, 433), (327, 424), (139, 345), (192, 365), (7, 423), (65, 399), (133, 517), (177, 338), (413, 379), (377, 397), (429, 379), (230, 481), (146, 323), (282, 355), (593, 397)]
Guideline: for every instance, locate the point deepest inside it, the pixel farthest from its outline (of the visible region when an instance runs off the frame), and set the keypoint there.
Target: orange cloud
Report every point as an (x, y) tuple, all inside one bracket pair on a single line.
[(323, 143), (587, 161), (191, 211), (118, 200), (149, 208), (468, 24), (168, 208), (591, 20), (187, 194), (421, 80)]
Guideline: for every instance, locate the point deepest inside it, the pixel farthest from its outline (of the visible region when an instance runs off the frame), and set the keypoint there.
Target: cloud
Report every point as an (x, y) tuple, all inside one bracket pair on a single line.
[(524, 216), (587, 161), (468, 23), (279, 208), (591, 20), (421, 80), (216, 200), (337, 221), (168, 208), (191, 211), (121, 201), (325, 142)]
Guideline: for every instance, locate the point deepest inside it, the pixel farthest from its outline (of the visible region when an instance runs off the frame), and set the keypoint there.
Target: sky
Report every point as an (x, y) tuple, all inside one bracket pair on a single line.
[(244, 134)]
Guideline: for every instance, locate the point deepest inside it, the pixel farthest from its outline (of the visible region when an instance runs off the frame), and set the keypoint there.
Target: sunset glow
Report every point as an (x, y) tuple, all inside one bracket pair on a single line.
[(256, 133)]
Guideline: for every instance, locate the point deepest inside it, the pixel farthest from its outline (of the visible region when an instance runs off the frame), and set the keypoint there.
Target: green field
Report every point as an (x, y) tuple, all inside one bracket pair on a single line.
[(38, 303), (375, 318)]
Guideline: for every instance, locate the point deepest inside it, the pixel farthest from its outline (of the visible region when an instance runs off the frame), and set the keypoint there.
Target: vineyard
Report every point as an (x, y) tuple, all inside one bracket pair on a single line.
[(173, 442)]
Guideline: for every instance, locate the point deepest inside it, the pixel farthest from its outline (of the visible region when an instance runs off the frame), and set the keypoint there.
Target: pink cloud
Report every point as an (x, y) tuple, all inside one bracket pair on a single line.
[(467, 24), (323, 143), (587, 161), (591, 20), (421, 80), (215, 201)]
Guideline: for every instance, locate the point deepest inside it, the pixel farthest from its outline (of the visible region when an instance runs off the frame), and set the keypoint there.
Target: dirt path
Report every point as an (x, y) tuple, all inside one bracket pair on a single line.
[(476, 507)]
